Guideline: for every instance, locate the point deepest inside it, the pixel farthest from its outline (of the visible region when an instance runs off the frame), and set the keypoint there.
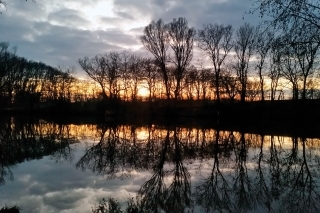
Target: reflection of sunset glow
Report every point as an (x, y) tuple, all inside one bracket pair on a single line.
[(187, 136), (142, 134)]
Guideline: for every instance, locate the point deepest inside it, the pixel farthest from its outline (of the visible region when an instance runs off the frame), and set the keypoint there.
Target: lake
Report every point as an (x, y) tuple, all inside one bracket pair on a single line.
[(48, 166)]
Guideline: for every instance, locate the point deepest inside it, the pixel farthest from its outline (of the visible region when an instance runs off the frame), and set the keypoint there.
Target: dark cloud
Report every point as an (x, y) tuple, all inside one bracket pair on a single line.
[(68, 17), (201, 12), (117, 37), (63, 200), (59, 33)]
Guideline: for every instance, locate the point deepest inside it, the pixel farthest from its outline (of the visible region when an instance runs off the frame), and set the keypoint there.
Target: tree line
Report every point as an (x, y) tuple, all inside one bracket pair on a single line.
[(25, 82), (248, 63)]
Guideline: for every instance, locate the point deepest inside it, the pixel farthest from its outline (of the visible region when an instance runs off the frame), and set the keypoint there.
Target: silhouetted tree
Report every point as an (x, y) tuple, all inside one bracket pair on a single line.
[(244, 46), (136, 74), (181, 42), (291, 15), (230, 84), (156, 41), (306, 55), (104, 69), (216, 41), (151, 76), (275, 71), (287, 63), (264, 44)]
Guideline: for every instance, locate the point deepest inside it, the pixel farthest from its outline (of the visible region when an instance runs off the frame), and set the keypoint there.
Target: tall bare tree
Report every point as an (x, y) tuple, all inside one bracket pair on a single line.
[(275, 71), (306, 54), (96, 70), (264, 43), (151, 77), (181, 42), (216, 41), (156, 41), (290, 69), (105, 70), (136, 74), (245, 43)]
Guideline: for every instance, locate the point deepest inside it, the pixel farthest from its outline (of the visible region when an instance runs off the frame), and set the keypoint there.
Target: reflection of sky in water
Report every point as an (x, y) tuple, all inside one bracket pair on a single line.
[(51, 185), (46, 186)]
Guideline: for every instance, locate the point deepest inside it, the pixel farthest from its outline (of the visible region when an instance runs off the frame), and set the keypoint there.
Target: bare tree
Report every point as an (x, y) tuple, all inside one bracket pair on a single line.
[(136, 73), (230, 84), (105, 70), (245, 42), (216, 41), (181, 42), (156, 41), (289, 69), (275, 71), (306, 55), (264, 42), (151, 76), (96, 69), (295, 15)]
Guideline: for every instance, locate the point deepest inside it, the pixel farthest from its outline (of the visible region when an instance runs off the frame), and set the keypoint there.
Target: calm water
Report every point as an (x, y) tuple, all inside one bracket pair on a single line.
[(48, 167)]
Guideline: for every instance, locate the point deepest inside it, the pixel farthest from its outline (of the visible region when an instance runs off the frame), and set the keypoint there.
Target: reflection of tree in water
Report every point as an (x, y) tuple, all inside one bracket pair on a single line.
[(179, 192), (213, 193), (249, 172), (20, 141), (242, 185), (303, 193), (152, 192), (103, 157), (225, 190), (261, 189), (116, 153), (154, 195), (275, 169)]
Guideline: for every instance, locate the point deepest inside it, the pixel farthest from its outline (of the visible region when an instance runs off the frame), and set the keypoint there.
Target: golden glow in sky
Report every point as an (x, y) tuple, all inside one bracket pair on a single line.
[(143, 92)]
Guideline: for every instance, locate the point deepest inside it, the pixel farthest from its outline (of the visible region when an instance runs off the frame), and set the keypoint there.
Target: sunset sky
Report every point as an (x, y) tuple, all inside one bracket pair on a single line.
[(61, 32)]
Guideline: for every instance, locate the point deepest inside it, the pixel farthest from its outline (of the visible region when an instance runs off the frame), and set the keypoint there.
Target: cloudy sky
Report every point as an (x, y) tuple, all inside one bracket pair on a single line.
[(61, 32)]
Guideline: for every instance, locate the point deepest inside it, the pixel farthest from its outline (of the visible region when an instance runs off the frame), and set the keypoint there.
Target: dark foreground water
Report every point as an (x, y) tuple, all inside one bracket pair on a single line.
[(49, 167)]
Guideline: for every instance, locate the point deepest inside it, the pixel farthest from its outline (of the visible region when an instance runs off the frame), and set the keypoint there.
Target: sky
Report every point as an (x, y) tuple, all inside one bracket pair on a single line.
[(58, 33)]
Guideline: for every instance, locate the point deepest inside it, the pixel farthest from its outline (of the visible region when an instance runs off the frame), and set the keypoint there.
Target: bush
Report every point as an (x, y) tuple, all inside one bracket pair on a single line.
[(7, 209)]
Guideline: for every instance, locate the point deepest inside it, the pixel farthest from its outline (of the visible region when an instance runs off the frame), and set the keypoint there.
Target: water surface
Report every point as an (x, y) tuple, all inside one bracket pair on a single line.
[(51, 167)]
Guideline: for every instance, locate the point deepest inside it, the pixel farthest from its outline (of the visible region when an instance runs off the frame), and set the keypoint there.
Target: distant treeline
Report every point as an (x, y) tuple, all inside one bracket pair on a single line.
[(24, 81)]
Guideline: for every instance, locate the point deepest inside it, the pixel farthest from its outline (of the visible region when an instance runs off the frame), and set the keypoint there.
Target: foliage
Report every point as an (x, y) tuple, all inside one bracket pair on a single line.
[(113, 206), (7, 209)]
